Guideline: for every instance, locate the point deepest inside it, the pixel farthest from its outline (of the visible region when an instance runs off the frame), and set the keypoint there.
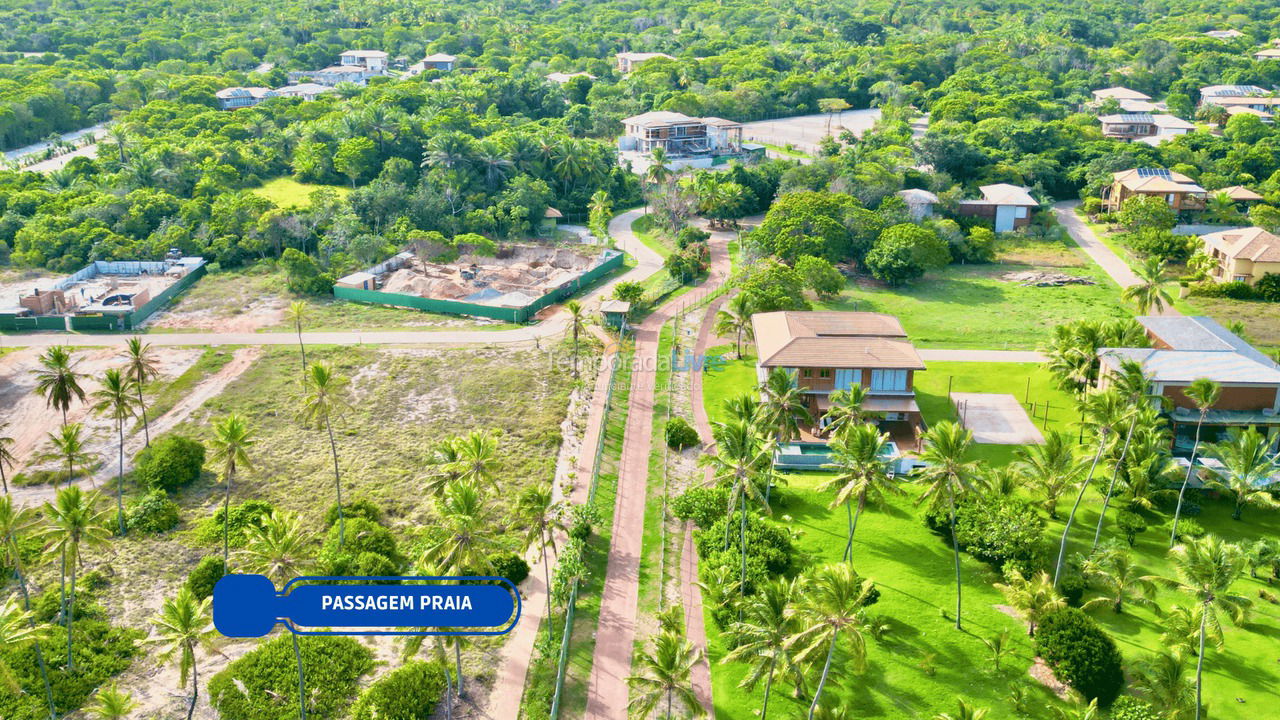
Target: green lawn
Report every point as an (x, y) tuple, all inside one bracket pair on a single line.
[(287, 192), (659, 287)]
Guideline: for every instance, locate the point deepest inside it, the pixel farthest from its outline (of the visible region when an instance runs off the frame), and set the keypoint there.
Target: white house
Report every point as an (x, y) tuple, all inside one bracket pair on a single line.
[(627, 61), (306, 91), (234, 98), (373, 60), (1008, 206)]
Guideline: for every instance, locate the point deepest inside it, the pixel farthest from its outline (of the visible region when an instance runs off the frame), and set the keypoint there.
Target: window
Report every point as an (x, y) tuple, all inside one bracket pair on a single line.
[(824, 373), (806, 373), (845, 379), (1169, 198), (1020, 212), (889, 380), (1241, 278)]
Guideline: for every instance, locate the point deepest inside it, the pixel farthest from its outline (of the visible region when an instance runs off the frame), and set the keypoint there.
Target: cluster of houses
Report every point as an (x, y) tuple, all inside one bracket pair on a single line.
[(354, 66), (1142, 119)]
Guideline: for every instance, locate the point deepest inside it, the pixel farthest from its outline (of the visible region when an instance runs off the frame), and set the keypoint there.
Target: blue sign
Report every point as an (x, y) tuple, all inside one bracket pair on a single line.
[(249, 606)]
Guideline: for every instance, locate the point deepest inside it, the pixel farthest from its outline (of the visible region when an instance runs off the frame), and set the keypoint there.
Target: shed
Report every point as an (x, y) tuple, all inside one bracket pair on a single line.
[(550, 219), (615, 312), (358, 281)]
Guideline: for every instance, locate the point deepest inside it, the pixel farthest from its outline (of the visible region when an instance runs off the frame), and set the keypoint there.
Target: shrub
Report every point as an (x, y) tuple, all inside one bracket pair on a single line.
[(702, 505), (1230, 290), (1092, 206), (1189, 529), (680, 434), (689, 235), (361, 508), (1129, 707), (172, 462), (510, 566), (152, 513), (269, 677), (1268, 287), (410, 692), (1131, 524), (1162, 244), (581, 519), (206, 574), (1072, 586), (1080, 654), (995, 529), (247, 513), (769, 548), (363, 538)]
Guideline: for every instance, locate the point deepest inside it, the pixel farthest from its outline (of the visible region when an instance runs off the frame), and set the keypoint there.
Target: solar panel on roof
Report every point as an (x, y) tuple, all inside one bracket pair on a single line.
[(1153, 172), (1137, 118)]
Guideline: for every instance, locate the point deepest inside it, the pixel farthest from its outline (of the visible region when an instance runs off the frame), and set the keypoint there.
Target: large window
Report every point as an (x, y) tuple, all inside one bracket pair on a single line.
[(845, 379), (889, 380)]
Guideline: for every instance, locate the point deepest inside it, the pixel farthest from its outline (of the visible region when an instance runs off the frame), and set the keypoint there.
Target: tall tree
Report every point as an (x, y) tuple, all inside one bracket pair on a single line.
[(14, 523), (1206, 569), (1162, 680), (540, 511), (735, 319), (231, 442), (831, 609), (846, 409), (183, 625), (296, 314), (948, 477), (74, 522), (1102, 410), (1248, 469), (860, 461), (477, 458), (69, 448), (1050, 467), (325, 398), (17, 629), (741, 458), (1204, 393), (1148, 293), (141, 369), (115, 400), (786, 408), (1133, 385), (58, 381), (577, 320), (663, 676), (7, 459), (762, 637)]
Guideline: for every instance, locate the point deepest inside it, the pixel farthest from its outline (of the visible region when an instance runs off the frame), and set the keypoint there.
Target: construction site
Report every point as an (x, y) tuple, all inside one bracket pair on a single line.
[(513, 285), (104, 295)]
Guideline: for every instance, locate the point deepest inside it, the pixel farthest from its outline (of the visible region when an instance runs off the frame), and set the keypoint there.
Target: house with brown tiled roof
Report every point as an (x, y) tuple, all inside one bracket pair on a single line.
[(829, 351), (1178, 190), (1243, 254)]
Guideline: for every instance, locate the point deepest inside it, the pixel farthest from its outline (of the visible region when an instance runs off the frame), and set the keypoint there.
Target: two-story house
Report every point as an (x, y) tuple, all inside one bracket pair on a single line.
[(235, 98), (1179, 191), (354, 66), (1185, 349), (829, 351), (1243, 254), (627, 61), (686, 141)]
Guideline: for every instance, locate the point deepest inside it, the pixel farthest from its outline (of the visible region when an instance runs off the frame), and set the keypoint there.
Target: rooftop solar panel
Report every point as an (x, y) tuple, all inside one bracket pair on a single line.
[(1153, 172)]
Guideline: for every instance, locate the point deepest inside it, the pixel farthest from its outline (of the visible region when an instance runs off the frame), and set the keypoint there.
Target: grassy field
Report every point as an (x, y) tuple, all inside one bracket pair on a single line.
[(970, 306), (286, 192), (659, 287), (922, 664)]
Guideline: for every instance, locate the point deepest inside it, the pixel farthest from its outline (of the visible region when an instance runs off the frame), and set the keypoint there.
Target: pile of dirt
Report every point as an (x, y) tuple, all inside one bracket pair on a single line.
[(1040, 278), (518, 276)]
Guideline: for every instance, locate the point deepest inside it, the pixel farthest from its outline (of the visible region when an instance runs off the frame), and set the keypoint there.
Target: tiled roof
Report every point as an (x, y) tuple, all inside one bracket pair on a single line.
[(1120, 93), (833, 339), (1251, 243)]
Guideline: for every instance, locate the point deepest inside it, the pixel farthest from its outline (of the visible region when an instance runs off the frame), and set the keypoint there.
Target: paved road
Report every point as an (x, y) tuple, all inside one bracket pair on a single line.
[(1084, 236)]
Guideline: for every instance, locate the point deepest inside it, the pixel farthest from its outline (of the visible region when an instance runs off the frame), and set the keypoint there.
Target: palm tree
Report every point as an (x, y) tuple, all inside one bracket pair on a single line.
[(141, 369), (69, 447), (949, 478), (761, 637), (182, 625), (325, 398), (735, 318), (14, 522), (57, 380), (115, 399), (17, 629), (118, 134), (741, 457), (1113, 571), (112, 703), (296, 314), (477, 454), (6, 458), (577, 320), (231, 442), (444, 466), (1104, 410), (74, 522), (1133, 385), (598, 214), (1051, 468), (1248, 469), (1204, 393), (1206, 569), (1181, 629), (1162, 680), (538, 508), (467, 527), (785, 406), (846, 409), (1149, 291), (831, 607), (664, 676), (1033, 596), (658, 172), (278, 549), (965, 712), (858, 457)]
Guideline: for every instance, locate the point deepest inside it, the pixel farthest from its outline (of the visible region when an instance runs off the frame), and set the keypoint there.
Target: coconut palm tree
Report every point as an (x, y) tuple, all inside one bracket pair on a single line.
[(1248, 469), (664, 677), (57, 380), (785, 406), (540, 511), (948, 477), (13, 524), (296, 314), (1204, 393), (846, 409), (1134, 387), (325, 398), (115, 400), (112, 703), (1112, 571), (17, 629), (69, 448), (598, 213), (1050, 468), (232, 439), (761, 637), (735, 319), (7, 458), (468, 524), (577, 321), (73, 522), (965, 712), (444, 466), (858, 457), (1033, 596), (831, 610), (140, 368), (278, 548), (182, 625), (1180, 630), (477, 461), (1103, 411), (1161, 679), (1149, 292), (740, 459), (1206, 569), (1264, 553)]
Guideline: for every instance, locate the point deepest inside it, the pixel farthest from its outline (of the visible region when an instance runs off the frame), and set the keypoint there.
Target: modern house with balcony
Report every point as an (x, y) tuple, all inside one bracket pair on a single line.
[(235, 98), (354, 66), (1243, 254), (1179, 191), (829, 351), (687, 141), (1185, 349)]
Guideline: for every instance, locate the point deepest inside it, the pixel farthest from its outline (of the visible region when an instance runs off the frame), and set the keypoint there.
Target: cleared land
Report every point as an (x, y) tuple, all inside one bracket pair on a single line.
[(804, 132), (286, 192)]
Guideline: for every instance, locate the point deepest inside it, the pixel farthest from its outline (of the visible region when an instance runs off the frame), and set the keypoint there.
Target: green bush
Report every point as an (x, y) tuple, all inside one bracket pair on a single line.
[(367, 547), (581, 519), (172, 462), (1080, 654), (1230, 290), (1162, 244), (409, 692), (510, 566), (702, 505), (680, 434), (1268, 287), (996, 529), (206, 574), (769, 548), (1129, 707), (152, 513), (1189, 529), (1131, 524), (269, 676), (243, 515), (689, 235), (361, 508)]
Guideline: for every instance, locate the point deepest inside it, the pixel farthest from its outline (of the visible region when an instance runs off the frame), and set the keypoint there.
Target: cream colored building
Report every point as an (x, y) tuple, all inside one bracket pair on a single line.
[(1243, 255)]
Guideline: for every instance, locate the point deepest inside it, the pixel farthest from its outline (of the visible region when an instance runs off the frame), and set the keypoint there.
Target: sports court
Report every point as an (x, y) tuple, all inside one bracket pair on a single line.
[(996, 419)]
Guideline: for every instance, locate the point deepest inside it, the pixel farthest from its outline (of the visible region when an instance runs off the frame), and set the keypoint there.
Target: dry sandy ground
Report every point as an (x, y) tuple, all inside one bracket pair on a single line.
[(261, 313)]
